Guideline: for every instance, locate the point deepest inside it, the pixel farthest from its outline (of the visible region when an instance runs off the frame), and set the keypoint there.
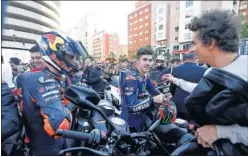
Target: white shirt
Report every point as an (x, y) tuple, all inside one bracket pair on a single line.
[(7, 75)]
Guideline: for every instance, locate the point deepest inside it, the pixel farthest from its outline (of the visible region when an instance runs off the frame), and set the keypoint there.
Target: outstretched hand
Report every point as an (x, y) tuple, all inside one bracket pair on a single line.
[(167, 77)]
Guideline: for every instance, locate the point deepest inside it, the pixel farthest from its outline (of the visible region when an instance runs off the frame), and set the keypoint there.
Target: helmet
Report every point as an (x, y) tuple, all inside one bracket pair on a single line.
[(160, 61), (61, 52), (160, 58)]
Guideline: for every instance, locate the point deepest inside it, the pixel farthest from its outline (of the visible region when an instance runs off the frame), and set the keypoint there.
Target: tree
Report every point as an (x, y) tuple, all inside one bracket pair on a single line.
[(244, 27), (123, 58)]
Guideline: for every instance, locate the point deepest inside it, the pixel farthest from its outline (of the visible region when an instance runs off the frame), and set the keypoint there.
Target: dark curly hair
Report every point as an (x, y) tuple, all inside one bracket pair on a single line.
[(145, 50), (221, 25)]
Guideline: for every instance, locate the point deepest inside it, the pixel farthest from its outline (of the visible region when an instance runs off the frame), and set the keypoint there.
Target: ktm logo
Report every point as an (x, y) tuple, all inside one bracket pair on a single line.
[(60, 63)]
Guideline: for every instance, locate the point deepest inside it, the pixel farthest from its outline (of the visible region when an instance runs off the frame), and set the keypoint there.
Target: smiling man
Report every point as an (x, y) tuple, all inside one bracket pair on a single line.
[(142, 102), (37, 63)]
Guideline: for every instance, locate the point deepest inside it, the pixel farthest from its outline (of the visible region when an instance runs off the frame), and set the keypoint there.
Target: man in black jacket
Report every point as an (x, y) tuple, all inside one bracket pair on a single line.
[(187, 71), (94, 77)]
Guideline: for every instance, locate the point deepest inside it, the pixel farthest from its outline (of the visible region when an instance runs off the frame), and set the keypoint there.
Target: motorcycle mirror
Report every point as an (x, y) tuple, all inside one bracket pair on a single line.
[(80, 96)]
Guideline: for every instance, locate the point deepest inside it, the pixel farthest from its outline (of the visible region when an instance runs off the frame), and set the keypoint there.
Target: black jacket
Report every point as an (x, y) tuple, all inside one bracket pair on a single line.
[(220, 98), (10, 116), (93, 78), (189, 72)]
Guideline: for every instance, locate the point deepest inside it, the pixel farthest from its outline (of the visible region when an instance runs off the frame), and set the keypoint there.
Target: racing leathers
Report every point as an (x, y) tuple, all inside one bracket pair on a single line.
[(42, 111), (138, 108)]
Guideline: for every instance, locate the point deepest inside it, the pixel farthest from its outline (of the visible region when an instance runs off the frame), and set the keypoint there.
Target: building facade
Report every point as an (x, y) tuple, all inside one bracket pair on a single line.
[(24, 22), (139, 28), (160, 26), (105, 43), (243, 9), (84, 30), (189, 9), (123, 50)]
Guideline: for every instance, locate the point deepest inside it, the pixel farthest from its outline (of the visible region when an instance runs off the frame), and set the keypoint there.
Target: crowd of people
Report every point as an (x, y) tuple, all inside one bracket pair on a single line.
[(208, 86)]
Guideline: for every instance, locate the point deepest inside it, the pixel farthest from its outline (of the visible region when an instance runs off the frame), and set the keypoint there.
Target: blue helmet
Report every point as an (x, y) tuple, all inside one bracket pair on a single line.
[(61, 52)]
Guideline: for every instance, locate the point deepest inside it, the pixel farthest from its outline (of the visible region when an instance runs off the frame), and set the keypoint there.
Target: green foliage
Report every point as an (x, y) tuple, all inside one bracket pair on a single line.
[(123, 58), (244, 27)]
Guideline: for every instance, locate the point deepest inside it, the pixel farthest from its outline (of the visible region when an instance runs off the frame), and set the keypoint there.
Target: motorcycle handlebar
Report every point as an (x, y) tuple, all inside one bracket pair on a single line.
[(75, 135), (85, 149)]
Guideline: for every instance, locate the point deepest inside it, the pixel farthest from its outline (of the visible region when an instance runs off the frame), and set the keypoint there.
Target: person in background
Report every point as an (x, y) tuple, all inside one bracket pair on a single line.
[(38, 63), (188, 71), (156, 71), (15, 63), (94, 76), (7, 75)]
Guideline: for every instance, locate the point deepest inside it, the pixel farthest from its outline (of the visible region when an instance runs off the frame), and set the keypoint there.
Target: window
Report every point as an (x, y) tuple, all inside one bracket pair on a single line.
[(146, 10), (176, 47), (187, 36), (131, 17), (146, 17), (135, 35), (141, 40), (130, 30), (130, 24), (160, 27), (140, 19), (160, 35), (130, 36), (146, 32), (141, 26), (146, 38), (186, 26), (176, 29), (135, 15), (176, 38), (146, 24), (141, 12), (177, 8), (140, 33), (186, 46), (161, 19), (135, 28), (189, 4), (160, 11), (188, 14), (135, 21), (243, 7)]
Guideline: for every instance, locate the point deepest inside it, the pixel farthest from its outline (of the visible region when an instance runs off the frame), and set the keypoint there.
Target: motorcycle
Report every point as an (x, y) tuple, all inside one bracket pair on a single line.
[(115, 137), (112, 93)]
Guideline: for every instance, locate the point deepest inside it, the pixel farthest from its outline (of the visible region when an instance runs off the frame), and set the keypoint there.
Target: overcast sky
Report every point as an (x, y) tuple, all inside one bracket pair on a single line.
[(113, 15)]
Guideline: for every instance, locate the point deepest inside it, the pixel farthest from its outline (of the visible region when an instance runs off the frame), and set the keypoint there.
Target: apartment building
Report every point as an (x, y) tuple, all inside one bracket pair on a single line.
[(139, 28), (123, 50), (189, 9), (160, 16), (243, 8), (105, 43)]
